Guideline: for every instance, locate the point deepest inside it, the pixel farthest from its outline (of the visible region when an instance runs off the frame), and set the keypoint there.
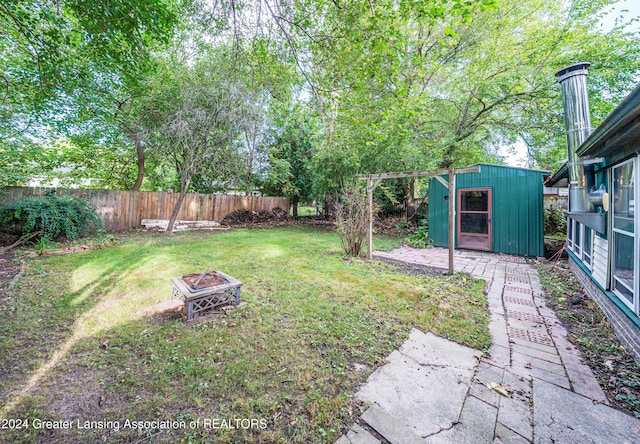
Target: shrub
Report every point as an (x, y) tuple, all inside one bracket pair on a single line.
[(420, 239), (402, 225), (555, 221), (352, 220), (53, 215)]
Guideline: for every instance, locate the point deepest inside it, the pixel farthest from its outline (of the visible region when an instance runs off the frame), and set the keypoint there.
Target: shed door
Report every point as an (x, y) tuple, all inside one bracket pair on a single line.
[(474, 218)]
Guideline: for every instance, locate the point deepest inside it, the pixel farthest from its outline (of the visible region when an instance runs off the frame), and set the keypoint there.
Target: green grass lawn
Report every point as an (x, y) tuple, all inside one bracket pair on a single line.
[(77, 342), (305, 211)]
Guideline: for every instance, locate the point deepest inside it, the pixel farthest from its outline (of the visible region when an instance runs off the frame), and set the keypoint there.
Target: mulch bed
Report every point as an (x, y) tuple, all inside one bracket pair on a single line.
[(589, 330)]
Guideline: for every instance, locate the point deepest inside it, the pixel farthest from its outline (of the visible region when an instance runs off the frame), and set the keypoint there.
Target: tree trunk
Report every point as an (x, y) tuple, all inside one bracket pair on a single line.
[(410, 202), (329, 206), (250, 174), (294, 204), (140, 155), (176, 208), (250, 183), (446, 159)]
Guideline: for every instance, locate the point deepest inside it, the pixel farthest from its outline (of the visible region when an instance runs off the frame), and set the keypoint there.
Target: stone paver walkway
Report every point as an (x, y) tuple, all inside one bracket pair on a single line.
[(532, 385)]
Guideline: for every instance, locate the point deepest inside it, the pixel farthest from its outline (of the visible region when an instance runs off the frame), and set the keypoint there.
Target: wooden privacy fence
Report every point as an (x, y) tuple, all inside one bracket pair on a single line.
[(122, 210)]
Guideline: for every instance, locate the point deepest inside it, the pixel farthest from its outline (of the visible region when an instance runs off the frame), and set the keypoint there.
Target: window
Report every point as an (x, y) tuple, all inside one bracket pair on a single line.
[(587, 245), (570, 234), (574, 236), (580, 241), (577, 239), (625, 236)]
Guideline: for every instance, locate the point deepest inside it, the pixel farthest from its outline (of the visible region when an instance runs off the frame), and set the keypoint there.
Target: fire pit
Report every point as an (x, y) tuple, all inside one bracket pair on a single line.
[(203, 293)]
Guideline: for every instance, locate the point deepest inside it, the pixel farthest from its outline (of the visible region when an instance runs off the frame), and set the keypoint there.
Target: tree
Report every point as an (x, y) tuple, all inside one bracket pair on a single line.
[(253, 138), (447, 87), (396, 85), (107, 114), (193, 120), (53, 50), (50, 45), (81, 162), (290, 158)]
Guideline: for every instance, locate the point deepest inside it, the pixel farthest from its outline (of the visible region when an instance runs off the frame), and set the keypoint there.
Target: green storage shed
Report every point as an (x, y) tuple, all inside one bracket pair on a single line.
[(499, 209)]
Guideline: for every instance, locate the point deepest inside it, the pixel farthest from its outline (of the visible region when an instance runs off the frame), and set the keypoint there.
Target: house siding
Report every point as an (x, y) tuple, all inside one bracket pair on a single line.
[(600, 260)]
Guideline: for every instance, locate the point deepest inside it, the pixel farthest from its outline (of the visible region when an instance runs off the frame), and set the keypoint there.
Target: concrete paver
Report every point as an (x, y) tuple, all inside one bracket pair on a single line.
[(546, 355), (564, 416), (389, 427), (531, 387), (407, 388), (358, 435), (477, 422), (508, 436), (516, 414)]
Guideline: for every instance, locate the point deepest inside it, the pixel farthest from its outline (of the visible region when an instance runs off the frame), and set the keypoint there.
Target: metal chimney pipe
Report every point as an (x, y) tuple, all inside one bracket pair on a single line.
[(575, 99)]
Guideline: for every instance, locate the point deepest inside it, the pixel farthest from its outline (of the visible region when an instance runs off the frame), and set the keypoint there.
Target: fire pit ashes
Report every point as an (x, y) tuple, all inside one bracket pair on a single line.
[(204, 293)]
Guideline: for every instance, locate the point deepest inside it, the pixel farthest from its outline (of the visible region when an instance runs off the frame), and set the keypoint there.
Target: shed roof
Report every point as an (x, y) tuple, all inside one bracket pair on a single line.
[(543, 172)]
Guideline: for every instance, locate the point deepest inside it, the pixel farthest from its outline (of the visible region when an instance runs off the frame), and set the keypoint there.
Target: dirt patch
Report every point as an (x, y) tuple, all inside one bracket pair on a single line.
[(317, 222), (9, 268), (389, 226), (78, 394), (589, 330), (552, 247), (393, 226)]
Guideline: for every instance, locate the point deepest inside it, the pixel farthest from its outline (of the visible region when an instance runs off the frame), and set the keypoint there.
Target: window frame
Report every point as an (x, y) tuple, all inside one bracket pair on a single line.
[(635, 239), (587, 256), (574, 237), (570, 233)]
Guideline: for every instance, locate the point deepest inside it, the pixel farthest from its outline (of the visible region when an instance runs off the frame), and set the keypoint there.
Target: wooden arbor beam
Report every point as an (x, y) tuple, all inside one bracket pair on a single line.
[(378, 178)]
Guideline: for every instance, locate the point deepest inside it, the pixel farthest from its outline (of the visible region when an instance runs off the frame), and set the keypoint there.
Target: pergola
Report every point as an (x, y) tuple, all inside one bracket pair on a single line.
[(373, 180)]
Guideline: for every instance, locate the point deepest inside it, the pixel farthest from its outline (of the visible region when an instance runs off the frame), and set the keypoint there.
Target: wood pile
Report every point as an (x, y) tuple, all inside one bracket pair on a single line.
[(246, 217)]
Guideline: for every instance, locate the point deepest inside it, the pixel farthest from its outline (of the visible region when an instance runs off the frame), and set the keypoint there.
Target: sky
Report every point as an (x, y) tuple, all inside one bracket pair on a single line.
[(626, 10), (632, 8)]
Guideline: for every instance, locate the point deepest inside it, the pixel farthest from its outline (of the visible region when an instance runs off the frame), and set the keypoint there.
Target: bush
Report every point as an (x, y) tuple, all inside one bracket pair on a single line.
[(420, 239), (54, 216), (555, 221), (403, 225), (352, 220)]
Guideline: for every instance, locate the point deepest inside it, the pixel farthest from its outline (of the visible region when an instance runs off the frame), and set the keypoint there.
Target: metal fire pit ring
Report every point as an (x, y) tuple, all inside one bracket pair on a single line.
[(202, 301)]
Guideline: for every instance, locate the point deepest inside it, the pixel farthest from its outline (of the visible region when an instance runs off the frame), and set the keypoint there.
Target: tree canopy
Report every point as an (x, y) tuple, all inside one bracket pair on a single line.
[(388, 85)]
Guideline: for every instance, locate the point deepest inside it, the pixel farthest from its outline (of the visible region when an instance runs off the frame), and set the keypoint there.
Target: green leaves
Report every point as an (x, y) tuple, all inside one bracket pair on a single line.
[(49, 49), (397, 85), (55, 41), (53, 216), (290, 157)]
